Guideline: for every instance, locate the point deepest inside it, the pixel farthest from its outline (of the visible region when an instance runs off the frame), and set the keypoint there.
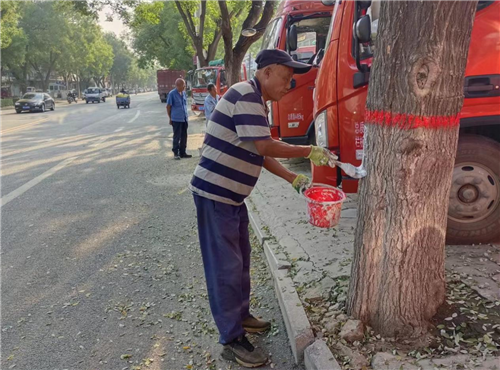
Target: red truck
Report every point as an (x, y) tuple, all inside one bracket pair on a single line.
[(166, 81), (215, 73), (299, 28), (339, 106)]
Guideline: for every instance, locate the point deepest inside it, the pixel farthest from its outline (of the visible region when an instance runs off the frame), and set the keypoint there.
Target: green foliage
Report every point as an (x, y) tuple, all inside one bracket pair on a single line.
[(10, 23), (122, 61), (157, 36), (7, 103)]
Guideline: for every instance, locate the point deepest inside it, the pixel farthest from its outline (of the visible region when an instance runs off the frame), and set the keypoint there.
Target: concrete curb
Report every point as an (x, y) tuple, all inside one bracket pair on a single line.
[(299, 331), (298, 328), (315, 354), (273, 260), (319, 357)]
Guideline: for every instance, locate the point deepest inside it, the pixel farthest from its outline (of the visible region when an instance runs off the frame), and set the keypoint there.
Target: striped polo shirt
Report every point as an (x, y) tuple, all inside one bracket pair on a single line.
[(230, 164)]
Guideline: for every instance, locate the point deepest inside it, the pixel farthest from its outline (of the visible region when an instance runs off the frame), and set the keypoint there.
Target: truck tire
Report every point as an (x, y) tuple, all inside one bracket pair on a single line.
[(474, 209)]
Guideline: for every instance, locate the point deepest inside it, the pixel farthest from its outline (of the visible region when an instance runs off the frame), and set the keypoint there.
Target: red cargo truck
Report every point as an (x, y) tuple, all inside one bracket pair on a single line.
[(215, 73), (339, 107), (166, 81), (299, 28)]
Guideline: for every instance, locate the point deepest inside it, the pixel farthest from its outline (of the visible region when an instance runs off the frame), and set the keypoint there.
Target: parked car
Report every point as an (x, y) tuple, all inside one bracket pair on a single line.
[(35, 102), (95, 94)]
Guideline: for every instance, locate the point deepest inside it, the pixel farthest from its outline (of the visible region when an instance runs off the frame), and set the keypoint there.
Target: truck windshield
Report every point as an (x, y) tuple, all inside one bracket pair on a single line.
[(311, 36), (271, 36), (202, 77)]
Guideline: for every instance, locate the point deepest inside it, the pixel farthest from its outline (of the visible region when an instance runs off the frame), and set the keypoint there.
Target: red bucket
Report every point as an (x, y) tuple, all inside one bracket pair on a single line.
[(324, 204)]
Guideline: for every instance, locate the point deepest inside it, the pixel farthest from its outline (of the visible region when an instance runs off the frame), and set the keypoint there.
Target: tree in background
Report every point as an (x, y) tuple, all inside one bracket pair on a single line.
[(156, 35), (46, 30), (414, 98), (204, 30), (13, 41), (122, 60), (258, 17)]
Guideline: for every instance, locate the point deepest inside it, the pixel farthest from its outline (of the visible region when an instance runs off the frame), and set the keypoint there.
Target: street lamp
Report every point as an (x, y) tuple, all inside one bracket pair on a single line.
[(249, 32)]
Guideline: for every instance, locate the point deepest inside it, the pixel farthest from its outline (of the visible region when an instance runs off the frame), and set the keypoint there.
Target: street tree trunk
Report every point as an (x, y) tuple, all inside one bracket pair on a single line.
[(411, 132), (197, 34), (258, 17)]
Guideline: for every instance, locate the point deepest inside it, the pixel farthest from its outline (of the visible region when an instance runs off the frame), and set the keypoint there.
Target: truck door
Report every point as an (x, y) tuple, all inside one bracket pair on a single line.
[(296, 107), (352, 98)]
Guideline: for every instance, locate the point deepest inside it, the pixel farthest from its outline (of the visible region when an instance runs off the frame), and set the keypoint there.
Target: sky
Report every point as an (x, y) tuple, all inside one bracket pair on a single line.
[(116, 26)]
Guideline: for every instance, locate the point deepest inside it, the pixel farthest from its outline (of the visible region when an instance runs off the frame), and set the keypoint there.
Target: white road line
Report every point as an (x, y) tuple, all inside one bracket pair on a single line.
[(24, 188), (119, 129), (135, 117)]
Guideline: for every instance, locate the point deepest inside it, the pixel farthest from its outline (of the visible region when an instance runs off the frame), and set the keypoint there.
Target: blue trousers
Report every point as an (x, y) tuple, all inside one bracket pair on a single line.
[(225, 248), (180, 137)]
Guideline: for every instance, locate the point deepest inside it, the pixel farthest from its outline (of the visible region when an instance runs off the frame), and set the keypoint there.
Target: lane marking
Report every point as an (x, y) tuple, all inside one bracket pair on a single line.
[(119, 129), (24, 188), (17, 128), (135, 117)]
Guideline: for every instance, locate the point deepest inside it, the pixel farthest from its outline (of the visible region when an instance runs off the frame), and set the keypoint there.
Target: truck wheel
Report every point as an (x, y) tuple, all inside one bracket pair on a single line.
[(474, 209)]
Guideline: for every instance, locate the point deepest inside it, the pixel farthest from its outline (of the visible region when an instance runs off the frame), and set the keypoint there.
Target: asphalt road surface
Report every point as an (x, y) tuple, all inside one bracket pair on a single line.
[(100, 259)]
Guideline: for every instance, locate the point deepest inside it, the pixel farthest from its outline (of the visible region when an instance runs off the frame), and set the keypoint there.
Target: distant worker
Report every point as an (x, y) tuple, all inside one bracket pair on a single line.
[(178, 116), (210, 101)]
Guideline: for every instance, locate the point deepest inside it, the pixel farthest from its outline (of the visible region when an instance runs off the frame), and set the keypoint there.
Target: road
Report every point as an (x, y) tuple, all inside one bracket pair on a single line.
[(100, 259)]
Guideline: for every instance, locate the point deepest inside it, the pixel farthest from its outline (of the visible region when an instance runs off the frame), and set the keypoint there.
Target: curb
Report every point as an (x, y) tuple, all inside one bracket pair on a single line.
[(256, 223), (273, 259), (315, 354), (297, 325), (298, 328), (319, 357)]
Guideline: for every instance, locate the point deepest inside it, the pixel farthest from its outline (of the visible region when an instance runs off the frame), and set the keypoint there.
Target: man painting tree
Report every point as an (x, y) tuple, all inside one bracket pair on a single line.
[(414, 98)]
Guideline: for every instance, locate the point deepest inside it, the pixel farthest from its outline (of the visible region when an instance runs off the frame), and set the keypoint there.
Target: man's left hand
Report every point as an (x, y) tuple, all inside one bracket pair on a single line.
[(301, 183)]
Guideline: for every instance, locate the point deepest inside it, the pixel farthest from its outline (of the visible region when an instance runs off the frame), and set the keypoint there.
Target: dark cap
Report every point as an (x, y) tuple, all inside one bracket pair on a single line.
[(267, 57)]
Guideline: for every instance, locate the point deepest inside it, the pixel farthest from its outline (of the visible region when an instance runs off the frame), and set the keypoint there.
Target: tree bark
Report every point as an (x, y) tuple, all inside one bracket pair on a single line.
[(411, 131), (233, 57), (196, 38)]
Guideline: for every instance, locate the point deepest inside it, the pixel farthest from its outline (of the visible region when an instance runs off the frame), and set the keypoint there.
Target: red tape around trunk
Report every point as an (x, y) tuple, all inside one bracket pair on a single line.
[(410, 121)]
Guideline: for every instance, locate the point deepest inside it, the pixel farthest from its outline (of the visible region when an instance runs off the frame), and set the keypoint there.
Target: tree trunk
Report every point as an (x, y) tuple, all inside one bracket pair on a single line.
[(233, 57), (233, 69), (411, 131)]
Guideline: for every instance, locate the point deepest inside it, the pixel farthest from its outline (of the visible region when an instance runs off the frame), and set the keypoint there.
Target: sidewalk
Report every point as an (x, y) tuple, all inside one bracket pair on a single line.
[(317, 263)]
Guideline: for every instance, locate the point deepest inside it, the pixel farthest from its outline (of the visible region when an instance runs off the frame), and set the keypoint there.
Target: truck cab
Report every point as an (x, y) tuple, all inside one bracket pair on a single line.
[(339, 108), (95, 94), (299, 28), (215, 73)]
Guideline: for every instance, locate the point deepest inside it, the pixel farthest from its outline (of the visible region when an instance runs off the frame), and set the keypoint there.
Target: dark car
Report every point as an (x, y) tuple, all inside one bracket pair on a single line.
[(35, 102)]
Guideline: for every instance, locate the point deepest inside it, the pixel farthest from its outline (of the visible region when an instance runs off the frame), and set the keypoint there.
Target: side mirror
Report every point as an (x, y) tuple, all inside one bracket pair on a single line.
[(291, 38), (328, 2), (363, 29)]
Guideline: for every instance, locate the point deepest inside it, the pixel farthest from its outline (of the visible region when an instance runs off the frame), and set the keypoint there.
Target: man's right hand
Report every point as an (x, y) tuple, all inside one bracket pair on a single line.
[(170, 122), (320, 156)]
